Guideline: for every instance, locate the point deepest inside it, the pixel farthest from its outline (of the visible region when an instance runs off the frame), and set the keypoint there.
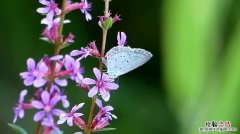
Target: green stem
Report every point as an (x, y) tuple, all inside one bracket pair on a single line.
[(104, 39), (62, 18)]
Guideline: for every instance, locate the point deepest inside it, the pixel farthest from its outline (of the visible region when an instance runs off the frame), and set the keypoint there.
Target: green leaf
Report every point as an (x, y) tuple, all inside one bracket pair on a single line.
[(108, 23), (64, 46), (45, 40), (17, 128), (105, 129)]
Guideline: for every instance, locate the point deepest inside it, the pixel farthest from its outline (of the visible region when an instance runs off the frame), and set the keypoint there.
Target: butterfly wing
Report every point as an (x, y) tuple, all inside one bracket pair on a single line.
[(121, 60)]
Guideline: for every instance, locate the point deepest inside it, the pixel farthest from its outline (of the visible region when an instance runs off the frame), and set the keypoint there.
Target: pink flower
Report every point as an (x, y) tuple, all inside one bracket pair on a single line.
[(51, 31), (35, 74), (19, 109), (90, 50), (104, 110), (74, 67), (103, 84), (46, 105), (84, 6), (103, 117), (50, 9), (73, 117), (122, 39), (50, 126)]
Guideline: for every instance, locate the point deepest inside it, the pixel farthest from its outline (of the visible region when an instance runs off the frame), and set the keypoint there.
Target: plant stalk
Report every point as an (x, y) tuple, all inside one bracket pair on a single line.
[(57, 44), (104, 39)]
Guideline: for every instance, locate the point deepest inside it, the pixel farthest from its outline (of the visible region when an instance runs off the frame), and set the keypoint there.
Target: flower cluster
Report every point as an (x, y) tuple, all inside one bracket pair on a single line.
[(50, 75)]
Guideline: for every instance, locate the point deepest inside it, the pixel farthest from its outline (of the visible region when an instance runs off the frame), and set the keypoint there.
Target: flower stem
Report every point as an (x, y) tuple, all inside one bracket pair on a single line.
[(56, 52), (57, 44), (62, 18), (39, 126), (104, 39)]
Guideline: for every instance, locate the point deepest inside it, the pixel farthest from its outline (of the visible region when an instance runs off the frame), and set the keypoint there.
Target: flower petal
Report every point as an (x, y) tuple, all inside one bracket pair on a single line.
[(108, 108), (31, 64), (88, 81), (99, 103), (39, 82), (62, 118), (57, 112), (105, 94), (37, 104), (78, 114), (21, 113), (39, 115), (97, 73), (75, 53), (70, 121), (58, 11), (45, 97), (112, 86), (25, 75), (43, 10), (54, 100), (62, 82), (50, 15), (56, 58), (44, 2), (28, 81), (75, 108), (43, 67), (88, 16), (22, 95), (93, 91)]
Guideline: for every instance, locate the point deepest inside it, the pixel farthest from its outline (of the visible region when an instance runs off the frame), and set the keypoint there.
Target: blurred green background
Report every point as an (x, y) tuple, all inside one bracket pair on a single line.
[(193, 77)]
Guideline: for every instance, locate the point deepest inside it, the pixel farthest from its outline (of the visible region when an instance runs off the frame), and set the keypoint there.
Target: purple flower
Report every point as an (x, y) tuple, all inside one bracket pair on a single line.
[(60, 80), (122, 39), (50, 126), (103, 84), (19, 109), (85, 8), (102, 118), (35, 74), (50, 8), (105, 110), (69, 39), (100, 123), (50, 23), (72, 117), (55, 89), (84, 53), (90, 50), (74, 67), (46, 105)]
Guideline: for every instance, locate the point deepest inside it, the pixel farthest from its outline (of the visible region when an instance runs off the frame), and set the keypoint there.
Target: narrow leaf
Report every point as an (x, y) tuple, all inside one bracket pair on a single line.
[(45, 40), (105, 129), (17, 128), (64, 46)]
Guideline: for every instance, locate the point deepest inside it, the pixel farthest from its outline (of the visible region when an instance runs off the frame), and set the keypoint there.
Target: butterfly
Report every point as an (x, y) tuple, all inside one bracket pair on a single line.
[(120, 60)]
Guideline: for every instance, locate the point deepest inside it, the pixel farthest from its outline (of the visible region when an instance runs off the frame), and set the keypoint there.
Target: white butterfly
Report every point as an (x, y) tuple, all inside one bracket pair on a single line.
[(121, 60)]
